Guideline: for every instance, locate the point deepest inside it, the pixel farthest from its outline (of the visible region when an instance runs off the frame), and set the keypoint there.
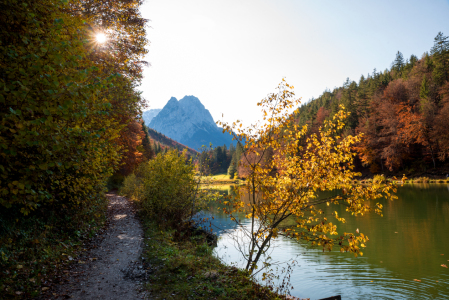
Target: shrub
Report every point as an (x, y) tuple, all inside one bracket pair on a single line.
[(165, 188)]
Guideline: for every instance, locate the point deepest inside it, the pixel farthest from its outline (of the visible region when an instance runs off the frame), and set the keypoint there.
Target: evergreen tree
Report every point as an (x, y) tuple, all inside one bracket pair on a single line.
[(146, 144), (217, 159), (424, 91), (413, 60), (348, 100), (428, 62), (398, 64), (440, 55), (233, 167)]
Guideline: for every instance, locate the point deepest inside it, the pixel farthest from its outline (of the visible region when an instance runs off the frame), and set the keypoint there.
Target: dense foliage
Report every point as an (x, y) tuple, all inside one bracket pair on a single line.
[(403, 112), (68, 120), (166, 188), (65, 101)]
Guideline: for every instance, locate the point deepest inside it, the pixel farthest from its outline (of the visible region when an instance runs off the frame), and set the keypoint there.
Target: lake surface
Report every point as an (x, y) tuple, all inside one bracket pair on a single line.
[(411, 241)]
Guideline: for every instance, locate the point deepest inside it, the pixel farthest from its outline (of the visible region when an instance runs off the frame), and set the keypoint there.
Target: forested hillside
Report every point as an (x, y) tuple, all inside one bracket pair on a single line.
[(221, 159), (161, 143), (403, 112)]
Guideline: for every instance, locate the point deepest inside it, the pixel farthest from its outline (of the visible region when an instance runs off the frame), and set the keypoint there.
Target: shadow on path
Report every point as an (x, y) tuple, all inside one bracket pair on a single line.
[(112, 268)]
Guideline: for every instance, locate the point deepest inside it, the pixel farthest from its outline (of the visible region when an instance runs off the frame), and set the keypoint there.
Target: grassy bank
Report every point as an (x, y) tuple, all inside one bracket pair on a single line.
[(33, 248), (409, 180), (186, 269), (220, 179)]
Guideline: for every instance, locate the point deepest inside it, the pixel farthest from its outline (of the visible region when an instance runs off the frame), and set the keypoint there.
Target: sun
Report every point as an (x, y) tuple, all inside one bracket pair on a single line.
[(101, 38)]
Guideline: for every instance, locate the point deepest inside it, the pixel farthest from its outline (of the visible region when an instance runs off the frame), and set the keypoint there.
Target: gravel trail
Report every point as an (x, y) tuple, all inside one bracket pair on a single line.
[(112, 268)]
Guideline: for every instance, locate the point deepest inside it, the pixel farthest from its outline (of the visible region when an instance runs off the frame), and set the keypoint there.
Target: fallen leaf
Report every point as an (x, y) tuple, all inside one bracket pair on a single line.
[(19, 266), (19, 293), (32, 280), (444, 266), (81, 262), (45, 288), (417, 280)]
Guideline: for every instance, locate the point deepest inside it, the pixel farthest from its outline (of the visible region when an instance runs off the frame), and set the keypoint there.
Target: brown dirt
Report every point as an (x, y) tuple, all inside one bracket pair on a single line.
[(112, 268)]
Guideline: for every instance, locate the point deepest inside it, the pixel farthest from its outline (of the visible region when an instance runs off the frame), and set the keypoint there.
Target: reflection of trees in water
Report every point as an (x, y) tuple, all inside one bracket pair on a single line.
[(406, 243), (412, 235)]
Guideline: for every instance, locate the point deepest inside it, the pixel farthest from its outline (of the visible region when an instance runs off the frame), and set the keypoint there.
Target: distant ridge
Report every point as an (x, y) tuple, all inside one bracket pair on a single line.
[(188, 122), (165, 141), (148, 115)]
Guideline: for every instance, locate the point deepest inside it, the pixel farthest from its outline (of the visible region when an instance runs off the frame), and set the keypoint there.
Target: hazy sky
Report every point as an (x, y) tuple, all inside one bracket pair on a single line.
[(231, 54)]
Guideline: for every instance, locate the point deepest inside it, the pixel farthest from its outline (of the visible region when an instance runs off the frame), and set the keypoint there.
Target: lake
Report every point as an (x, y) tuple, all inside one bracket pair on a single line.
[(409, 243)]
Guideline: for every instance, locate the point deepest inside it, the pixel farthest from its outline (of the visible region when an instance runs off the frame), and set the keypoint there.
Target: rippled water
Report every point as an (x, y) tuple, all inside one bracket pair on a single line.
[(411, 241)]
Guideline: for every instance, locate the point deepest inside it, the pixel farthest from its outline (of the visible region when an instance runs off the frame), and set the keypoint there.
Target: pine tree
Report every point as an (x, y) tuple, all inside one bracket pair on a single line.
[(398, 64), (428, 62), (413, 60), (424, 91), (440, 55), (233, 167), (146, 144)]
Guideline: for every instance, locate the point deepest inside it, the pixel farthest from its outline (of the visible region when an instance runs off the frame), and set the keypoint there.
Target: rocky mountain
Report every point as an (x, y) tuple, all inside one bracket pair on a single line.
[(148, 115), (188, 122)]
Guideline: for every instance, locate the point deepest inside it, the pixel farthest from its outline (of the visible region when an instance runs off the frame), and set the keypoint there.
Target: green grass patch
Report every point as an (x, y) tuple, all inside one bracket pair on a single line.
[(221, 179), (186, 269)]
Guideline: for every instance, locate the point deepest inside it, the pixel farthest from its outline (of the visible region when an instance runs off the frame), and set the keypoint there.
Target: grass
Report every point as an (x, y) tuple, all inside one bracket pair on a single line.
[(34, 248), (410, 180), (188, 270), (221, 179)]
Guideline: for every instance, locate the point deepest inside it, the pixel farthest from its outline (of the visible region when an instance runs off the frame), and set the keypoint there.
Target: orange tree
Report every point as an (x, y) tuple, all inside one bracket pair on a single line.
[(281, 194)]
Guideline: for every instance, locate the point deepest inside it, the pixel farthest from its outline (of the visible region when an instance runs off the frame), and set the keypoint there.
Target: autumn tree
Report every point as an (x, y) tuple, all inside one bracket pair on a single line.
[(130, 141), (65, 99), (287, 202)]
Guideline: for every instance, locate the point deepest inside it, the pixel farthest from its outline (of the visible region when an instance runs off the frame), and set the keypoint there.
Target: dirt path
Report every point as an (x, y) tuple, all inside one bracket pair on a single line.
[(112, 268)]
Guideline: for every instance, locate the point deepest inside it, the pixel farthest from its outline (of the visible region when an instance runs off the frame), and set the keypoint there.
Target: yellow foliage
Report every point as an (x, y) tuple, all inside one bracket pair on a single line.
[(284, 193)]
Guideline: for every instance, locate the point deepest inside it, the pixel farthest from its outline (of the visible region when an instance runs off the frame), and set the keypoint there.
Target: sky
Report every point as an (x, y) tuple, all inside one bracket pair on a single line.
[(232, 53)]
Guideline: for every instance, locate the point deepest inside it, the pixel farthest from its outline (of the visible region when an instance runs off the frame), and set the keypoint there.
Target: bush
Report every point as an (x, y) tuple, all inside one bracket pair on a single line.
[(165, 188)]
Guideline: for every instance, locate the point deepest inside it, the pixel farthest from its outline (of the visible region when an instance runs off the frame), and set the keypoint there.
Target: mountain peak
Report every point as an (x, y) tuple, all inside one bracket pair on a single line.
[(173, 101), (191, 100), (148, 115), (187, 121)]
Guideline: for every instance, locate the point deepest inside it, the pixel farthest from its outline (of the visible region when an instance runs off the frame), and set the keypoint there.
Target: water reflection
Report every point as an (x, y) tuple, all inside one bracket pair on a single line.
[(409, 242)]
